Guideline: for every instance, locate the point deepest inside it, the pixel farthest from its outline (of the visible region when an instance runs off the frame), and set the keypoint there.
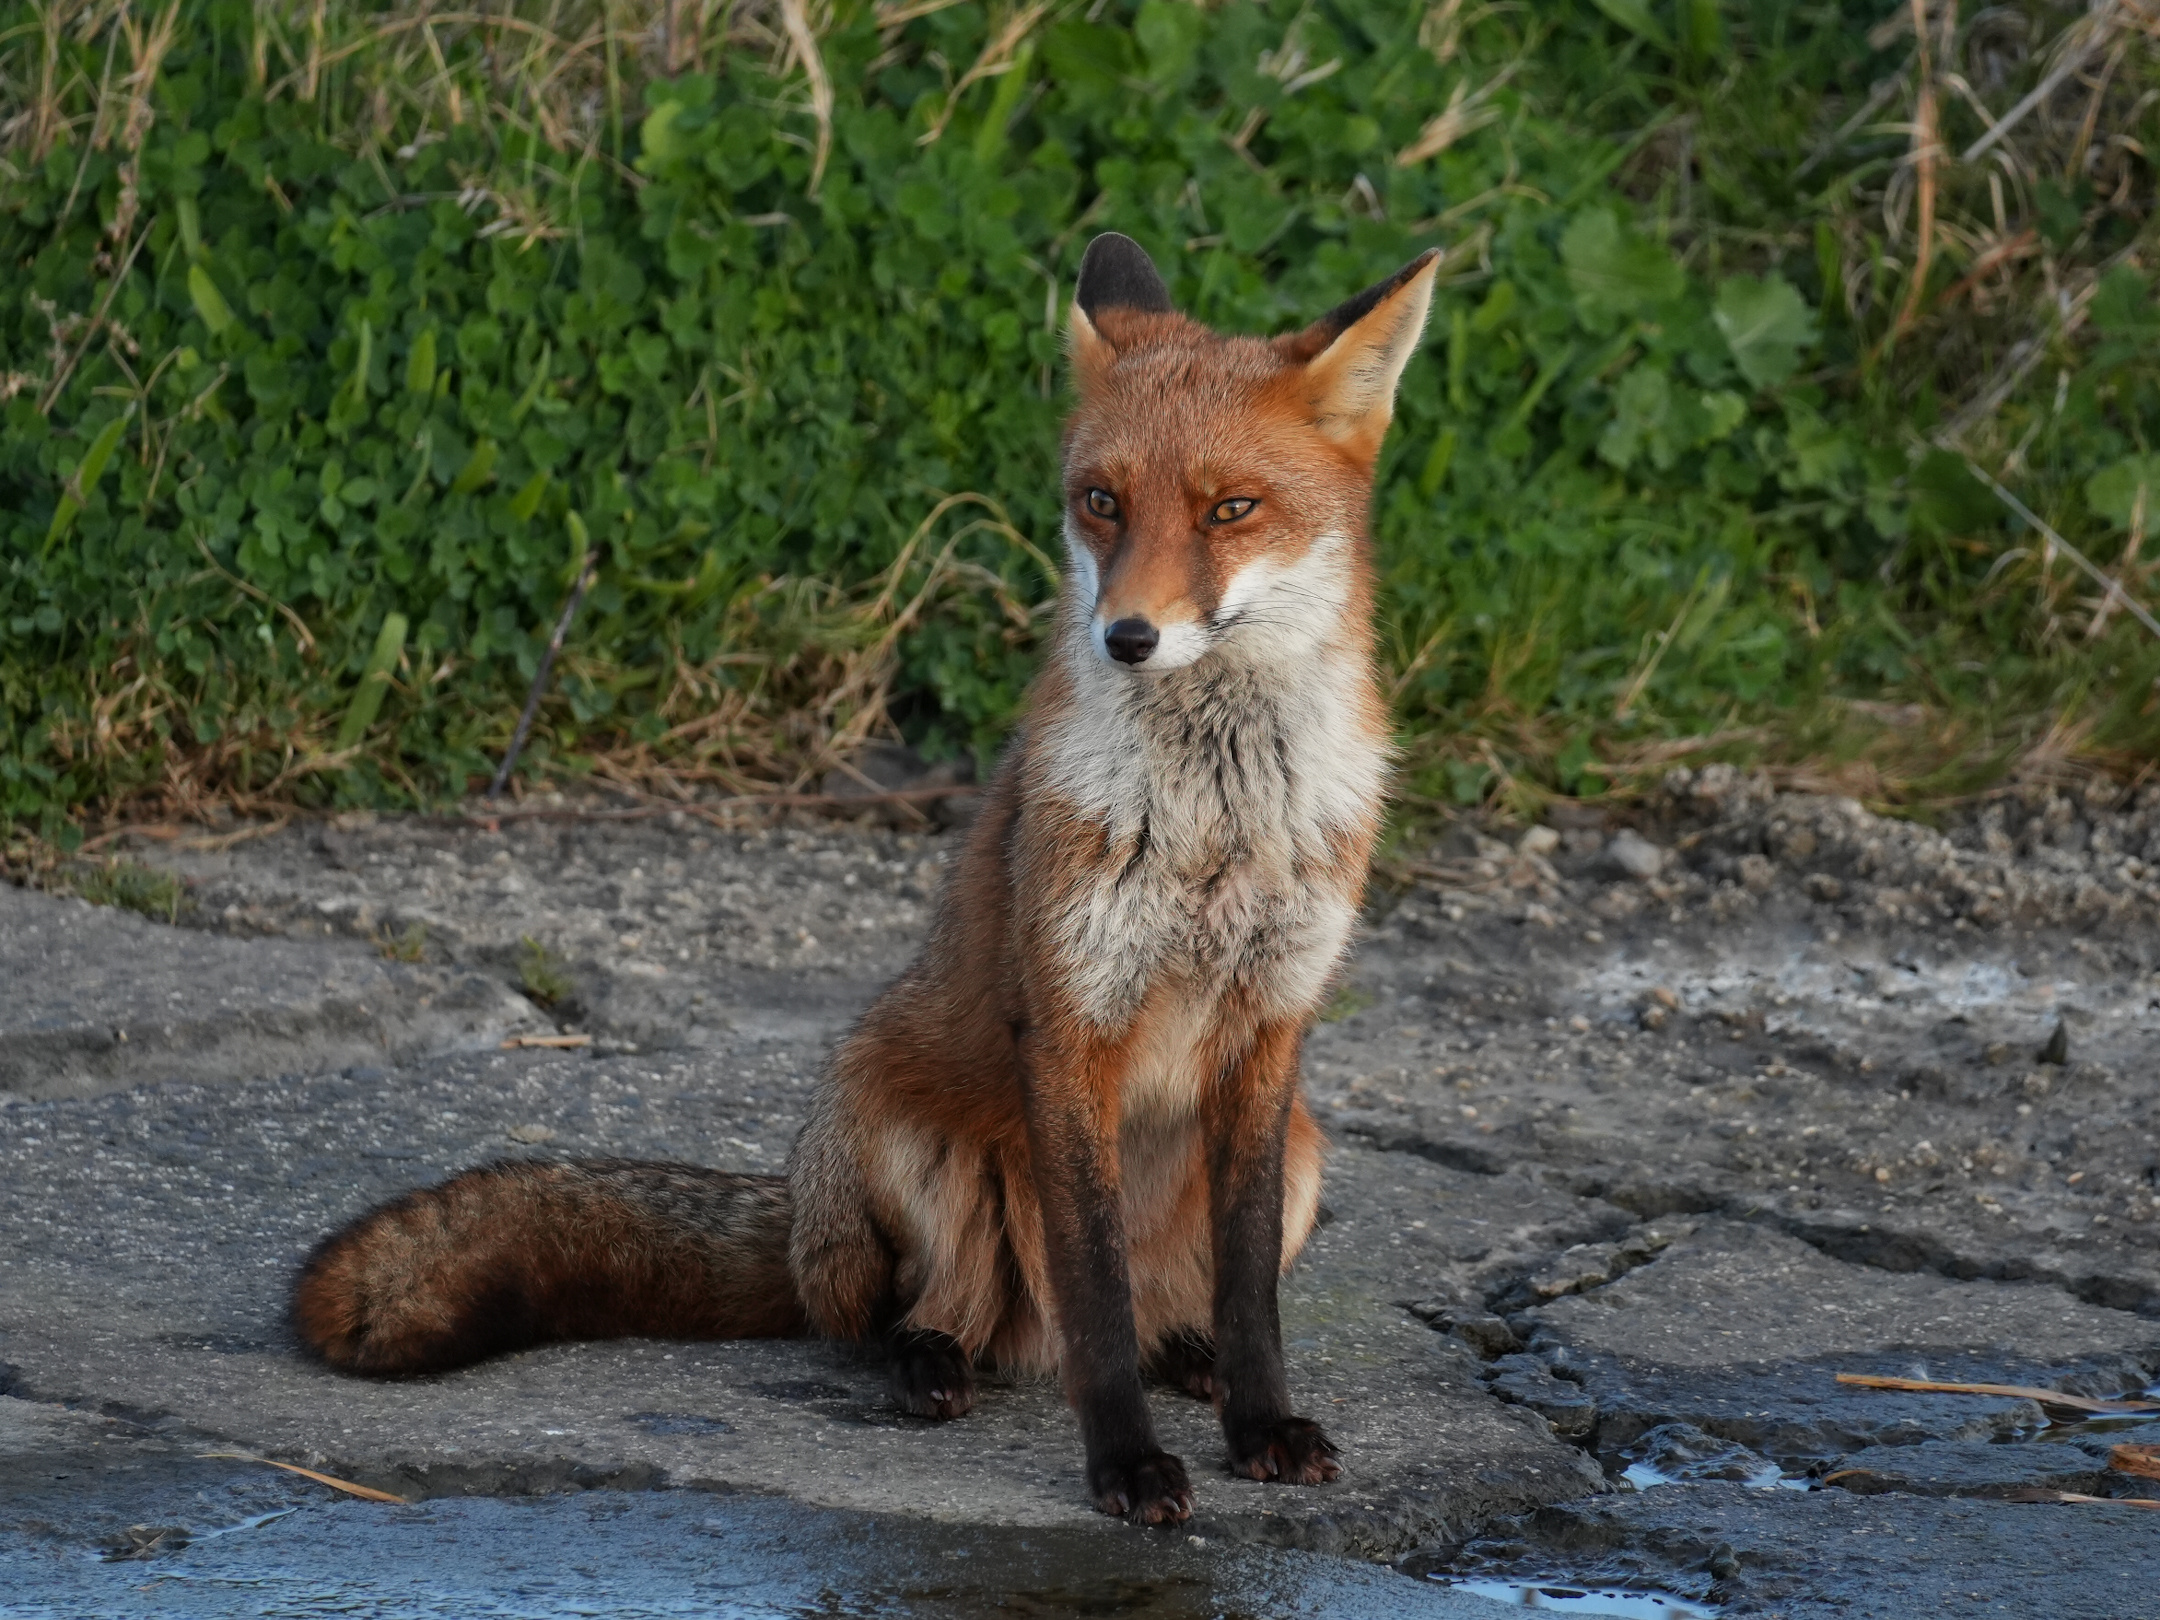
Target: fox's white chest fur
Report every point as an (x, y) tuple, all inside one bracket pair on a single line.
[(1228, 789)]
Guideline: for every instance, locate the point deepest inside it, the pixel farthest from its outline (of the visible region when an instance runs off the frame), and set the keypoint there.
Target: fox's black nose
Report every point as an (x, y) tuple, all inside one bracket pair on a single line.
[(1131, 640)]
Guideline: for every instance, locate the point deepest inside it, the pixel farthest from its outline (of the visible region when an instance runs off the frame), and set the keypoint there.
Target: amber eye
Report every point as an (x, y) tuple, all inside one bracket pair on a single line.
[(1102, 503), (1234, 508)]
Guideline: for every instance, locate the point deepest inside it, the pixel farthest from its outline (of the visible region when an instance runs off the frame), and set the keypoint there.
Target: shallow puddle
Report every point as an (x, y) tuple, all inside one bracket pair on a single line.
[(1556, 1597), (1644, 1476), (674, 1555)]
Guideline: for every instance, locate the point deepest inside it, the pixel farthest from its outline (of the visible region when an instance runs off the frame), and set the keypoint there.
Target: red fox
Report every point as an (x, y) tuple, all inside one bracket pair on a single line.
[(1069, 1138)]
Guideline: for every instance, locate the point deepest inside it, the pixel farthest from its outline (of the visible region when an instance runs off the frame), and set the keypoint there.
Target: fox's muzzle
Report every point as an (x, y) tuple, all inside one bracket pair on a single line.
[(1130, 641)]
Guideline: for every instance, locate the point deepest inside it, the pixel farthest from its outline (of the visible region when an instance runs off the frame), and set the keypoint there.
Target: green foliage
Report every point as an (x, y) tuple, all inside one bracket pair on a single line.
[(542, 975), (1766, 326), (408, 945), (130, 885), (2123, 492), (374, 382), (375, 678)]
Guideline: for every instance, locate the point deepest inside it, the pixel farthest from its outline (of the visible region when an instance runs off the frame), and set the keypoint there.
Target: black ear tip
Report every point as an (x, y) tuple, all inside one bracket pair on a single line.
[(1116, 273), (1346, 315)]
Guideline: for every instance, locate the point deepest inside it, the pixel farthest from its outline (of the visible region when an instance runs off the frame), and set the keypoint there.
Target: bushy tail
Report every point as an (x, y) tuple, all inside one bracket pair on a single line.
[(525, 1252)]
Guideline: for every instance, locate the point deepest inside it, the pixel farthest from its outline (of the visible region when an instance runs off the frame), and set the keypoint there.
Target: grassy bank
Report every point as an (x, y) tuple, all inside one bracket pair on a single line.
[(339, 337)]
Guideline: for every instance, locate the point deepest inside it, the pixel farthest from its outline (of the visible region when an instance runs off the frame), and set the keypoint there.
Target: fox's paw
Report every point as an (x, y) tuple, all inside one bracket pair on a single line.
[(1186, 1361), (1287, 1450), (1149, 1489), (929, 1374)]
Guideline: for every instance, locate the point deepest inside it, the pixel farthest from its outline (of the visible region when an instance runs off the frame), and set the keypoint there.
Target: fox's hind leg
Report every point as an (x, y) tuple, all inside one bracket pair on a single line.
[(901, 1240), (929, 1373), (1185, 1361), (842, 1263)]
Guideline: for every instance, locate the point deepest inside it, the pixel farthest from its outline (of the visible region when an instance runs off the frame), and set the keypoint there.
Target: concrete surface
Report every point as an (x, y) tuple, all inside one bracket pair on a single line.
[(1628, 1167), (97, 999)]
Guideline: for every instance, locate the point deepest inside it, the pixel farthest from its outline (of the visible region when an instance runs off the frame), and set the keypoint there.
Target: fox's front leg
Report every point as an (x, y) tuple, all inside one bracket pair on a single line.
[(1247, 1116), (1072, 1137)]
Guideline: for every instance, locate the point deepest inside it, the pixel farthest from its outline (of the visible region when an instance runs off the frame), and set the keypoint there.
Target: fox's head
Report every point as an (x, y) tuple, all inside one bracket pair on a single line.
[(1216, 487)]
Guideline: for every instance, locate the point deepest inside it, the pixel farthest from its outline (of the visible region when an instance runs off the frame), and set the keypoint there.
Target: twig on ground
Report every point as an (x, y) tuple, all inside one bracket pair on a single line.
[(2038, 1495), (2107, 582), (2141, 1460), (2027, 1392), (552, 1042), (366, 1493), (166, 832), (540, 675)]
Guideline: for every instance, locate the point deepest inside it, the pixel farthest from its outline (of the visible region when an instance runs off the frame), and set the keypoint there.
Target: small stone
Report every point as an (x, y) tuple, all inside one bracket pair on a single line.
[(1757, 875), (531, 1134), (1634, 855), (2057, 1050), (1538, 841), (1587, 1265), (1490, 1337)]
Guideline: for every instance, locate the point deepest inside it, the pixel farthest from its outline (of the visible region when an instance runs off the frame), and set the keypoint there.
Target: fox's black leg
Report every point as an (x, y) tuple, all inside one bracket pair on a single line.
[(928, 1373), (1072, 1137), (1185, 1361), (1247, 1117)]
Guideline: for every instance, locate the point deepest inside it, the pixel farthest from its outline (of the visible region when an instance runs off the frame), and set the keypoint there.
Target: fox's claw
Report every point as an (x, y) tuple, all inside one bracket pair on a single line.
[(929, 1374), (1288, 1451), (1151, 1489)]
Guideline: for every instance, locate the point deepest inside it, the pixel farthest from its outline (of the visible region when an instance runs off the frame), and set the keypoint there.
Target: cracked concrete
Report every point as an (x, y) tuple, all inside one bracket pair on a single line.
[(101, 999), (1643, 1134)]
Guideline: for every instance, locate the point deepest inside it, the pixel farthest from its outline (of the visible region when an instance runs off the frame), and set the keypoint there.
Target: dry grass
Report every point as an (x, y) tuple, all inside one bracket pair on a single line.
[(555, 74), (807, 683)]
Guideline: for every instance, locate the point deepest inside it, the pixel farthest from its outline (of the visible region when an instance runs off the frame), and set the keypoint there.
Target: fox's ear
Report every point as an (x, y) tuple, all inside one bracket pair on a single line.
[(1355, 354), (1115, 274)]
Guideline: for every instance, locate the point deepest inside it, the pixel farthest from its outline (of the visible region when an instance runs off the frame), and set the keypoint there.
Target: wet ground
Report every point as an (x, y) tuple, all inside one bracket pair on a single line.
[(220, 1543), (1644, 1134)]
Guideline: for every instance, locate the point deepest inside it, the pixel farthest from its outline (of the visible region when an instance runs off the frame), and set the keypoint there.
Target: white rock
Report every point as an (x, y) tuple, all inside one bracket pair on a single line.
[(1635, 855)]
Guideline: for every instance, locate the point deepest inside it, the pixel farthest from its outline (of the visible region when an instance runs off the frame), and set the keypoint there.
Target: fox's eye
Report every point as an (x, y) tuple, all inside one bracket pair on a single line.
[(1234, 508), (1102, 503)]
